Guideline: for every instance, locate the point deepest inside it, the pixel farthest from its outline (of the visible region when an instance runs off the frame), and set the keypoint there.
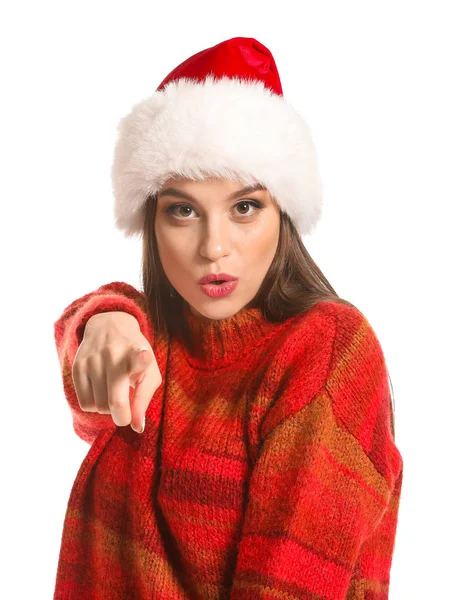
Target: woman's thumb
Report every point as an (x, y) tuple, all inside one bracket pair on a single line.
[(142, 350), (139, 360), (142, 353)]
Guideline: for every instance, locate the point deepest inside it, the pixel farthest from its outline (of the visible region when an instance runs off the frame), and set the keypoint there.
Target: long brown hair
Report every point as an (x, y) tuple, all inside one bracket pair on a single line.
[(292, 285)]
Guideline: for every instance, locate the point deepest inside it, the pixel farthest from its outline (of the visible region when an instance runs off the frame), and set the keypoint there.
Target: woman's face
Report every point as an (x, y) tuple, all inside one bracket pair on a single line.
[(211, 226)]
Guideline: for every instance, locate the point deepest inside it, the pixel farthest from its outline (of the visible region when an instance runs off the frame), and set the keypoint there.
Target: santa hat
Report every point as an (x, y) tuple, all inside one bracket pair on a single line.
[(219, 113)]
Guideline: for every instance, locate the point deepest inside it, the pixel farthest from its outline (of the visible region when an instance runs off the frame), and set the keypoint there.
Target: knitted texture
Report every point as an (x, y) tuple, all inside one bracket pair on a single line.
[(268, 466)]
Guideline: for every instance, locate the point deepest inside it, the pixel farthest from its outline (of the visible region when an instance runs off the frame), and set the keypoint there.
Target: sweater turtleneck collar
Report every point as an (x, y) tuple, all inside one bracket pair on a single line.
[(214, 343)]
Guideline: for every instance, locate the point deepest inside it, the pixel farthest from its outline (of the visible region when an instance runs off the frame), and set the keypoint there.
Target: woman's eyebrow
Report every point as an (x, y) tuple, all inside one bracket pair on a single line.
[(178, 194)]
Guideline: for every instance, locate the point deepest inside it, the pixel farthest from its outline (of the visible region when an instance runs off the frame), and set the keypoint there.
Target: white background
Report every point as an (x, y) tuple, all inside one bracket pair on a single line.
[(382, 86)]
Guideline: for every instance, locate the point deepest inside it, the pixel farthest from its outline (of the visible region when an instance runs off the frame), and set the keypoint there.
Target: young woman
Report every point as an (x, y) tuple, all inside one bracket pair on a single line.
[(267, 466)]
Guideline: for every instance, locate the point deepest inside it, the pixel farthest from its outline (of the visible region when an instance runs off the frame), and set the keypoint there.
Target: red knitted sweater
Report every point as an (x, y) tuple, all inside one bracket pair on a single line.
[(267, 468)]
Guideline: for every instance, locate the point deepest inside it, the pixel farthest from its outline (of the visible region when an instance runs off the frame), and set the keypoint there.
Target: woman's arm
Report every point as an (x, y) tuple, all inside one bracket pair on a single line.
[(321, 515), (69, 333)]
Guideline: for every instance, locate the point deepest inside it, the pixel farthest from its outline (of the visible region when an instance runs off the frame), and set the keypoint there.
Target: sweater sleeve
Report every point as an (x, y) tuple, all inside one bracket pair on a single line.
[(323, 496), (69, 333)]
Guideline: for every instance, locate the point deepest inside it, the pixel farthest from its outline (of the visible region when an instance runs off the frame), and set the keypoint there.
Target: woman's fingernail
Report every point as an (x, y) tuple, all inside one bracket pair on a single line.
[(143, 425)]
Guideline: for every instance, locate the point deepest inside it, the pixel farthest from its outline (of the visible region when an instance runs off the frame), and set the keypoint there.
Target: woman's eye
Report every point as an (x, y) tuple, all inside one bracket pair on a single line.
[(247, 203)]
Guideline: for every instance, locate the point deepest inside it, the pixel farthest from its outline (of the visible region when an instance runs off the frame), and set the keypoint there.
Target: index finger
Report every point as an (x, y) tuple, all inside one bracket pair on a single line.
[(143, 393)]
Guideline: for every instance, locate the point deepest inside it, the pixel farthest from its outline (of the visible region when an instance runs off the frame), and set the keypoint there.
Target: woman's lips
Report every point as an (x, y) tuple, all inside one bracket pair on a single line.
[(219, 290), (210, 277)]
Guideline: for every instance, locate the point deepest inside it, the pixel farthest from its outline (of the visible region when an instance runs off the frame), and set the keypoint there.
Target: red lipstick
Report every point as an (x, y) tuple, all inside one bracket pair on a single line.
[(225, 284), (209, 277)]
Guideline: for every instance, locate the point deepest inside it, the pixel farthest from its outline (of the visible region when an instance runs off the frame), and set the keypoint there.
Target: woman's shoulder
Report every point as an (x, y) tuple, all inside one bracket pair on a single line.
[(326, 329), (331, 349), (324, 315), (344, 313)]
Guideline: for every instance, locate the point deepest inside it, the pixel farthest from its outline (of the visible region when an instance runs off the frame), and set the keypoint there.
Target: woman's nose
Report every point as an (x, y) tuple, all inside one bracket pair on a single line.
[(215, 241)]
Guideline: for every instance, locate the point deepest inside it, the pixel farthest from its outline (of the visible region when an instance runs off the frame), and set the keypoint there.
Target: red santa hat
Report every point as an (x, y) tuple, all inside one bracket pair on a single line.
[(219, 113)]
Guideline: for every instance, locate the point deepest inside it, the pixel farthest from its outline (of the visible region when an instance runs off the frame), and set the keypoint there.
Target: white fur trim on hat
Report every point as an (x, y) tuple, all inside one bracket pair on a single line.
[(229, 128)]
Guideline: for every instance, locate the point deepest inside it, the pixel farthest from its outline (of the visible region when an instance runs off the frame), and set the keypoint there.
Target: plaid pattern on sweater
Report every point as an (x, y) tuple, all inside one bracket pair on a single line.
[(267, 468)]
